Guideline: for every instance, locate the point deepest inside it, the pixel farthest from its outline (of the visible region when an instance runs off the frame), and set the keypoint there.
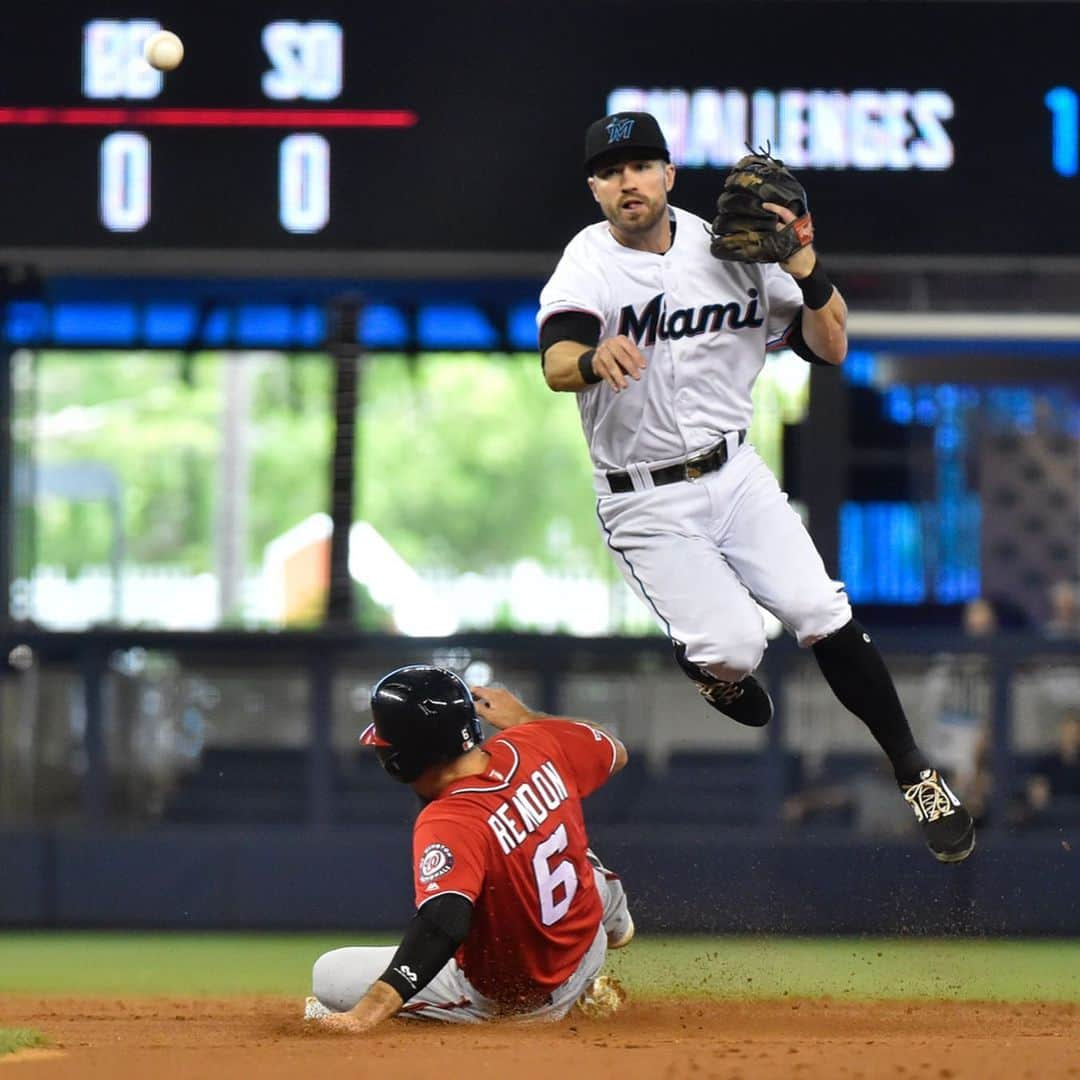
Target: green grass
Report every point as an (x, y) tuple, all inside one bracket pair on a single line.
[(12, 1039), (958, 969), (134, 964)]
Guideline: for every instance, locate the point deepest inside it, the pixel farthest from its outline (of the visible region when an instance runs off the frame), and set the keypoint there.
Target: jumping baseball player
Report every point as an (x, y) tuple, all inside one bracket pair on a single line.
[(659, 323), (514, 912)]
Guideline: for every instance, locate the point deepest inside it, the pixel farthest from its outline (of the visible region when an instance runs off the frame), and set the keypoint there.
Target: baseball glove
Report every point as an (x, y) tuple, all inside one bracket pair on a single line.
[(743, 230)]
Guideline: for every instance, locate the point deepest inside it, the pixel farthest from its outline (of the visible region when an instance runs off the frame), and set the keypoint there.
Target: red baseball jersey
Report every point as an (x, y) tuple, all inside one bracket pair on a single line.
[(512, 840)]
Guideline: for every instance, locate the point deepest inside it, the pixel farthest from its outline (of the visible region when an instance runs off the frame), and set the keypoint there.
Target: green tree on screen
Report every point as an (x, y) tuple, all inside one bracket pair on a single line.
[(469, 462), (464, 462)]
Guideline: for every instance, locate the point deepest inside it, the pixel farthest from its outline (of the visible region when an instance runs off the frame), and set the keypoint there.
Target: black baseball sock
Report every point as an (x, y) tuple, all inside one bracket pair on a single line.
[(857, 675)]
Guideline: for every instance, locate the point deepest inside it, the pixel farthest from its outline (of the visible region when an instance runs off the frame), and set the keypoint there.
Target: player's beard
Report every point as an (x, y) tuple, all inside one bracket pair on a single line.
[(642, 221)]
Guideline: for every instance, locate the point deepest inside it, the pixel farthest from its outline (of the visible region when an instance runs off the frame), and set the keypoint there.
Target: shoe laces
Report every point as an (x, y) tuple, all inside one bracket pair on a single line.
[(721, 693), (930, 798)]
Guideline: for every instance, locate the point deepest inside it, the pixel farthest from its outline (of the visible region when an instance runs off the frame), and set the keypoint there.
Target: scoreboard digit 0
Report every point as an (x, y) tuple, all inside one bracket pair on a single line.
[(305, 62), (395, 129)]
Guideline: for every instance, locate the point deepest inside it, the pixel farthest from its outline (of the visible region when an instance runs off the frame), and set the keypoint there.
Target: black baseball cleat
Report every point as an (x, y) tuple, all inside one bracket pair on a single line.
[(947, 827), (745, 702)]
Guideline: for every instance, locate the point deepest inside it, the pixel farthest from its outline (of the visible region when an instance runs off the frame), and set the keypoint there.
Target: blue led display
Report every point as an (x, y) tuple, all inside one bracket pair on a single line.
[(860, 367), (27, 322), (881, 552), (455, 326), (885, 547), (1065, 115), (521, 327), (217, 326), (384, 327), (309, 326), (170, 325), (899, 407), (91, 323), (263, 325)]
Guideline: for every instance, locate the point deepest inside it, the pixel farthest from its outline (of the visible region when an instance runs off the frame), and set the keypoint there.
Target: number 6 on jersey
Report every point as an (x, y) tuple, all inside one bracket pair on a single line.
[(548, 878)]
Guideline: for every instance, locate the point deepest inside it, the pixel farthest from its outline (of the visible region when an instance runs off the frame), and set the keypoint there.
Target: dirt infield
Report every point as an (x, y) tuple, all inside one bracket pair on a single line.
[(229, 1037)]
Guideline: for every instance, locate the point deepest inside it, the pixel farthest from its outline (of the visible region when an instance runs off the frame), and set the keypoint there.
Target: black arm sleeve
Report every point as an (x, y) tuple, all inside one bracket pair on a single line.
[(569, 326), (433, 936), (797, 344)]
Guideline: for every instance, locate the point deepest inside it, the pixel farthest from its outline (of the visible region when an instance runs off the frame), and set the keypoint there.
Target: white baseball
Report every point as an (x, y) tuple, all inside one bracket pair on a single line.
[(163, 50)]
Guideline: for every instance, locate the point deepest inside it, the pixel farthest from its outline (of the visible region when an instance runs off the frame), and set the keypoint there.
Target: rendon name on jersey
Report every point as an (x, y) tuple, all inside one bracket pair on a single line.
[(529, 807), (513, 841), (702, 324)]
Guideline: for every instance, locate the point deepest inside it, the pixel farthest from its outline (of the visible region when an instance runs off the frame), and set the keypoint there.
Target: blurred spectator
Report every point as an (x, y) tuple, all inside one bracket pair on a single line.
[(1051, 793), (866, 801), (980, 617), (1058, 677), (1064, 618), (956, 701)]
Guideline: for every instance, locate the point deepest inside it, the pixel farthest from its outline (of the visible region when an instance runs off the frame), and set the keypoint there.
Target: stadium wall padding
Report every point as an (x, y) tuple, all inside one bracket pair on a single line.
[(680, 880)]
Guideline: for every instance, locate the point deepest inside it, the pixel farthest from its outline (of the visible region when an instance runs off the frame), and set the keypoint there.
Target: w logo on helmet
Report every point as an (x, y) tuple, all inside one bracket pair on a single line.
[(619, 129)]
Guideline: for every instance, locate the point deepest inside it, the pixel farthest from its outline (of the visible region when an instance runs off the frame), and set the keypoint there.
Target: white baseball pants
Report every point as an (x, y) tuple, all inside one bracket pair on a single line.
[(700, 553)]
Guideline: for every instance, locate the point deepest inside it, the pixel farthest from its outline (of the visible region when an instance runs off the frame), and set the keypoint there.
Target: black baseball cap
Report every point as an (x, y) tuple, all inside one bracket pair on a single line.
[(623, 135)]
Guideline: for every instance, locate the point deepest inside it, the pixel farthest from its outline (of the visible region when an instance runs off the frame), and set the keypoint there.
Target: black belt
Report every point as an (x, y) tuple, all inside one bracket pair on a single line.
[(690, 469)]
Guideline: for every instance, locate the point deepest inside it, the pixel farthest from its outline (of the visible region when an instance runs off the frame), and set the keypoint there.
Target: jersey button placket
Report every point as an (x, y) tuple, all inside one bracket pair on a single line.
[(681, 394), (684, 394)]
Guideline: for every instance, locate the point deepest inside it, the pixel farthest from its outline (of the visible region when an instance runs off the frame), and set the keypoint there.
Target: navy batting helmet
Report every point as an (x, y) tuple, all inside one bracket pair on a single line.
[(424, 716)]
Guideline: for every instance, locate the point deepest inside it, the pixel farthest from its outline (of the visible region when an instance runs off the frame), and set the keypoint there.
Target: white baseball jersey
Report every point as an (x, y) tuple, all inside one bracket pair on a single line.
[(701, 554), (702, 324)]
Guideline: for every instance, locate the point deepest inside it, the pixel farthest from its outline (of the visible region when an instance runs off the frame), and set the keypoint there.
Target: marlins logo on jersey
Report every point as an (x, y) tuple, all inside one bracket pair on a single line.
[(706, 323)]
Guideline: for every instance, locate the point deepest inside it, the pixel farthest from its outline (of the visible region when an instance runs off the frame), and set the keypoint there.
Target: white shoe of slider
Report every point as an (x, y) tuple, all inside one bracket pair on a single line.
[(314, 1009), (603, 998)]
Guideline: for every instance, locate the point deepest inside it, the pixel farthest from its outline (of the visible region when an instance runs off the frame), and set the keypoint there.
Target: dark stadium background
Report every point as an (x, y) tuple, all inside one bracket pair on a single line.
[(940, 468)]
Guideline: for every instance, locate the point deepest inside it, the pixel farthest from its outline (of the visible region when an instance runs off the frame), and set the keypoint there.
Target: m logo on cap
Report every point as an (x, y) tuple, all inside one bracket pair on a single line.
[(620, 129)]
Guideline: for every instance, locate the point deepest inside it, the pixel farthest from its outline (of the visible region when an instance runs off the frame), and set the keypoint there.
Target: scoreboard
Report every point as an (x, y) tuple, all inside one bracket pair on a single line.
[(304, 63), (917, 128)]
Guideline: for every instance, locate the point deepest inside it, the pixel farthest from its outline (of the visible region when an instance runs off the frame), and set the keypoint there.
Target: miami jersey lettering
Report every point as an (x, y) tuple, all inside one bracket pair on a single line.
[(702, 324)]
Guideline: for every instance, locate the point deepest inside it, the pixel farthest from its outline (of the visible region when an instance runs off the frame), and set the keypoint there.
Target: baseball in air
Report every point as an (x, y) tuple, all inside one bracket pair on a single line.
[(163, 50)]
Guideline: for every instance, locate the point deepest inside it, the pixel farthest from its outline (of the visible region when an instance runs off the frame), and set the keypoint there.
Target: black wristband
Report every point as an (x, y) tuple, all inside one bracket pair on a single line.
[(393, 977), (816, 287), (438, 928), (584, 365)]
